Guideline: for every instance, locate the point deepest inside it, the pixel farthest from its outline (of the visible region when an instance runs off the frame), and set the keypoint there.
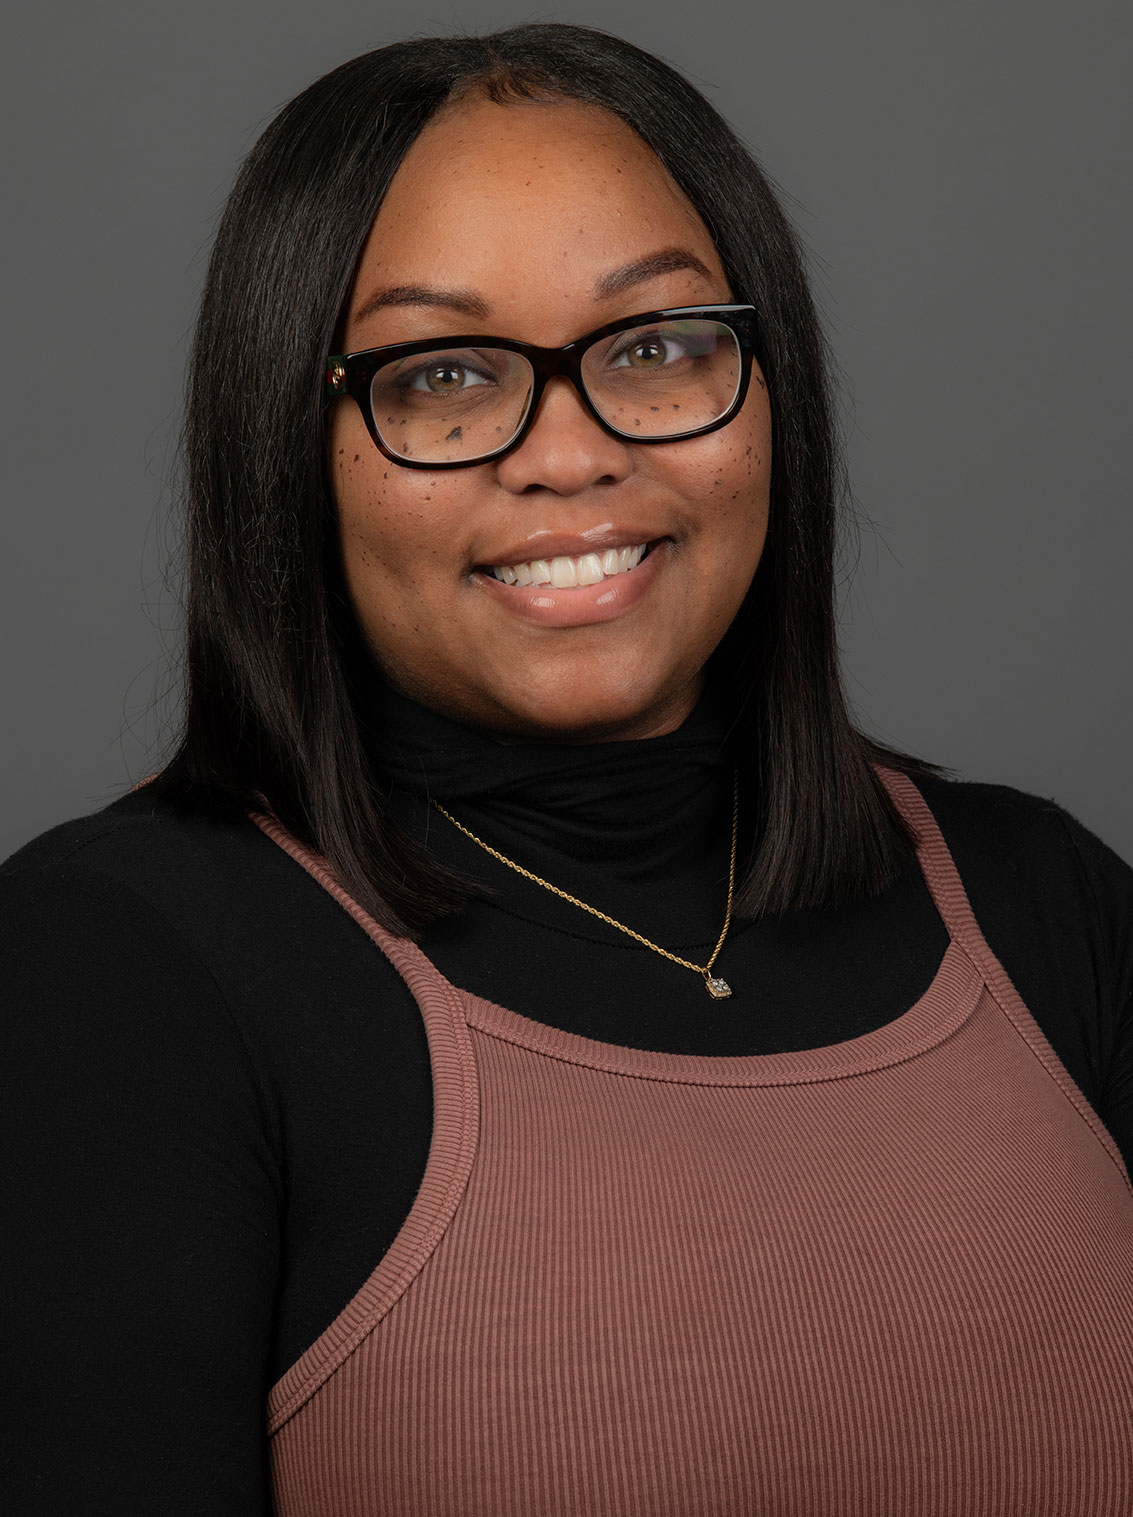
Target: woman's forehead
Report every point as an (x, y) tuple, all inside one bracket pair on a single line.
[(565, 157), (534, 203)]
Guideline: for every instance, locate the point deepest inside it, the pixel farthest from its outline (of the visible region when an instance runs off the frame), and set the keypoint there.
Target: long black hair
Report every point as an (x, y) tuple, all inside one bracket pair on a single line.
[(276, 665)]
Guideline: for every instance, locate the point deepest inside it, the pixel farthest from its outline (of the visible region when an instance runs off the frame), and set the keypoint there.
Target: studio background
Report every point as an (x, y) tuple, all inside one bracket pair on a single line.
[(960, 176)]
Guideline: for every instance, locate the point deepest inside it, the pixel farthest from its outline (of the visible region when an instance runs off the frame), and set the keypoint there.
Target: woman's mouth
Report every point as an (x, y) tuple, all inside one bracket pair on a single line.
[(577, 590), (564, 573)]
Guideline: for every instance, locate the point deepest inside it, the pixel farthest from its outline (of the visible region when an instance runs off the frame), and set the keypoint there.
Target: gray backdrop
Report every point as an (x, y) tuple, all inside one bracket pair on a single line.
[(960, 175)]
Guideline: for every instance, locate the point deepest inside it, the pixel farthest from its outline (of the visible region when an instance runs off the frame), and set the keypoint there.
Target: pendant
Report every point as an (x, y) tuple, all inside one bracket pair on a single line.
[(718, 989)]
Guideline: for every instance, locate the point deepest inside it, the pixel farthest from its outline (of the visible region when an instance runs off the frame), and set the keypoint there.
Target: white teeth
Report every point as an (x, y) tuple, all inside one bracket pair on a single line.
[(564, 573)]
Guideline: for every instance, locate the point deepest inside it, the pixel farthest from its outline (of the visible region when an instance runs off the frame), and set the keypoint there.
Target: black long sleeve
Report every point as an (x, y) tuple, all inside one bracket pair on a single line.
[(141, 1220)]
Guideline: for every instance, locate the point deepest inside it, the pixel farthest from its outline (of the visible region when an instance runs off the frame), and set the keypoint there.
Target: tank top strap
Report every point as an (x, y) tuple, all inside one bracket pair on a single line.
[(947, 889), (937, 865), (419, 973), (452, 1147), (951, 900)]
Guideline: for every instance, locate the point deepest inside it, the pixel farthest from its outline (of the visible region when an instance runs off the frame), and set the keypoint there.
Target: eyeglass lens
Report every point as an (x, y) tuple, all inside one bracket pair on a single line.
[(457, 404)]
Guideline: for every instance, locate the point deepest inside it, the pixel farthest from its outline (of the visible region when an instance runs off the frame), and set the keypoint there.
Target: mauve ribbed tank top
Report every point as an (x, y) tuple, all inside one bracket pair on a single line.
[(892, 1277)]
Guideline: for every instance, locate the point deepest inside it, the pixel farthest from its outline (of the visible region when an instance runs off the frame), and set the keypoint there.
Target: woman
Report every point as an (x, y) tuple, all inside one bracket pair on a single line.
[(747, 1168)]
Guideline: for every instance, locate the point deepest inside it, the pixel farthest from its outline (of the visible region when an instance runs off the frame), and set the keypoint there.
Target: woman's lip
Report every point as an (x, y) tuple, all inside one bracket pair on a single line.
[(582, 605), (550, 545)]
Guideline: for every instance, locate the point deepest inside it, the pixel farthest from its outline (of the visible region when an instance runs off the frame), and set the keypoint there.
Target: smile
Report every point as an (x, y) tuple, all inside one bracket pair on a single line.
[(578, 590), (564, 573)]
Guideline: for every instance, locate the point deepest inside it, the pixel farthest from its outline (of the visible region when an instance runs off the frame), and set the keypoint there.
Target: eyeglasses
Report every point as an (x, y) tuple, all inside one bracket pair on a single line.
[(448, 402)]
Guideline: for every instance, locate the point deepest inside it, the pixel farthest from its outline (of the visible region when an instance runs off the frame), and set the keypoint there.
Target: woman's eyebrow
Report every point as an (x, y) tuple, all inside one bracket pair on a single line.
[(463, 301), (668, 262)]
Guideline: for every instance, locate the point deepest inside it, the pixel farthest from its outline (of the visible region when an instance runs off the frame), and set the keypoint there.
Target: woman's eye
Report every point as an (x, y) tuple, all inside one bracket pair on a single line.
[(446, 378), (648, 353)]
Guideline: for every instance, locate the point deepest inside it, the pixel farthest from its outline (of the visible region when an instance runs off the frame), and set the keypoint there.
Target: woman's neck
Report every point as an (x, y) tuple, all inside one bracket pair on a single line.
[(632, 809)]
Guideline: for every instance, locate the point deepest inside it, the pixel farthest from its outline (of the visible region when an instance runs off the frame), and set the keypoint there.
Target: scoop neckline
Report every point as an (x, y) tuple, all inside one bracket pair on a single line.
[(943, 1007)]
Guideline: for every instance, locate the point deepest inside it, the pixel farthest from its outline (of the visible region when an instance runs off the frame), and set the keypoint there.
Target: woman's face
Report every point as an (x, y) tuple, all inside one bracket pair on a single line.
[(533, 222)]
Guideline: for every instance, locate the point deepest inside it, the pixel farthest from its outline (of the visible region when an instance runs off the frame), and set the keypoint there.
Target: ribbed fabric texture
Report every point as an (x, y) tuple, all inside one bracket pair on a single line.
[(877, 1279)]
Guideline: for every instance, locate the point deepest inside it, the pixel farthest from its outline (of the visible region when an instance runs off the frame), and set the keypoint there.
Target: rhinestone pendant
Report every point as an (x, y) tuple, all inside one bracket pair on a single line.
[(718, 989)]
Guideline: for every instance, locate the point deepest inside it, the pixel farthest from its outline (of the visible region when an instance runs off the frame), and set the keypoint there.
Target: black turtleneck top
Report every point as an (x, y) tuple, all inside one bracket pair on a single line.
[(216, 1095)]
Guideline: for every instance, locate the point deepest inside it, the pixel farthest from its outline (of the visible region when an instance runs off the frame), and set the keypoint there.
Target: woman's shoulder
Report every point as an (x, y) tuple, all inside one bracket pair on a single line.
[(1055, 906), (129, 840), (209, 875), (999, 831), (103, 960), (1050, 896), (129, 892), (197, 915)]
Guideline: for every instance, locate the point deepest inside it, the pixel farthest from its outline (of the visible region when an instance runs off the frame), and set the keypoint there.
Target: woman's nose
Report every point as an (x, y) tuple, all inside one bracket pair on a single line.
[(566, 451)]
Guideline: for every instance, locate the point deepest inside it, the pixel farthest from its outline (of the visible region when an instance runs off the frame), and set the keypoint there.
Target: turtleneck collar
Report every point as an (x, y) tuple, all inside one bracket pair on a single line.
[(632, 809)]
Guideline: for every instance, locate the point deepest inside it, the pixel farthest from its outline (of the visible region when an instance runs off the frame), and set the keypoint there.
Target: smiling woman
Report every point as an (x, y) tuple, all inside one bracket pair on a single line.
[(606, 232), (374, 1076)]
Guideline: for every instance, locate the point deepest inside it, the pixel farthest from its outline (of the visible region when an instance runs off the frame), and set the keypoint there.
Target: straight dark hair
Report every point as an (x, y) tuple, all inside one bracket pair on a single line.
[(277, 668)]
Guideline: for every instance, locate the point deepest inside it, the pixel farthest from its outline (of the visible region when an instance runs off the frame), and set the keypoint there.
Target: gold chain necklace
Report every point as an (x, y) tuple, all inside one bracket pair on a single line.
[(716, 987)]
